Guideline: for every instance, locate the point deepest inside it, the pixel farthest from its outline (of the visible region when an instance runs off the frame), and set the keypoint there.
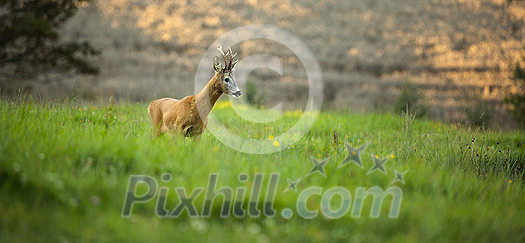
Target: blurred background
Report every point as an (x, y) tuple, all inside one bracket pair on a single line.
[(447, 59)]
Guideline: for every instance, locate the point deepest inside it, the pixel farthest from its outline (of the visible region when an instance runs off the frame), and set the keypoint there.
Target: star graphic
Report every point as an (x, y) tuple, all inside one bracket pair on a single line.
[(379, 164), (399, 177), (318, 166), (292, 185), (354, 155)]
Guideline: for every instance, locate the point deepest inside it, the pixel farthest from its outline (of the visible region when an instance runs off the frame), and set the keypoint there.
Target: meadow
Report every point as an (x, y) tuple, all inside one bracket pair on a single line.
[(65, 168)]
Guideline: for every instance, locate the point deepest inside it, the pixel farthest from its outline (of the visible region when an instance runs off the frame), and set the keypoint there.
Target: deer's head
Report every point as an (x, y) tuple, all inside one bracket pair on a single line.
[(225, 73)]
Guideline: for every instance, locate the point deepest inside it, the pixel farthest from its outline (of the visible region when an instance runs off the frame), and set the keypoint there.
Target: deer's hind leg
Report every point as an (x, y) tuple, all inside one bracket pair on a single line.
[(156, 115)]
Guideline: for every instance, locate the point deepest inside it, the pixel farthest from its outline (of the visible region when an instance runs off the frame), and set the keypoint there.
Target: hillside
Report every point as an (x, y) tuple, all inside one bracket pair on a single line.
[(456, 52)]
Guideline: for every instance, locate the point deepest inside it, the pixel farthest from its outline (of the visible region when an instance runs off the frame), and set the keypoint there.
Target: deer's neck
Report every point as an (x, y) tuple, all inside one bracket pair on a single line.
[(206, 98)]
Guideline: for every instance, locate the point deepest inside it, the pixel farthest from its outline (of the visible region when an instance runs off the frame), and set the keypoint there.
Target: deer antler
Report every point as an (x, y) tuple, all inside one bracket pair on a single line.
[(224, 55), (232, 63), (228, 66)]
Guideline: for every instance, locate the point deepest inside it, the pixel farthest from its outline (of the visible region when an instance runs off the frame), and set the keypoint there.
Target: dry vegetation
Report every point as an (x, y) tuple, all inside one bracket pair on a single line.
[(451, 50)]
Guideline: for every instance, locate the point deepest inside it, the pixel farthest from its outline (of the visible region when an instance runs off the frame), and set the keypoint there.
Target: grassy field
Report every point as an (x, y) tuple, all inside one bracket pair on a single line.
[(65, 167)]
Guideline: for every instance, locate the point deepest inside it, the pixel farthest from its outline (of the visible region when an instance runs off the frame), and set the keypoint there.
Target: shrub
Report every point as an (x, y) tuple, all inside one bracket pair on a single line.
[(411, 100), (252, 94), (516, 102), (479, 112)]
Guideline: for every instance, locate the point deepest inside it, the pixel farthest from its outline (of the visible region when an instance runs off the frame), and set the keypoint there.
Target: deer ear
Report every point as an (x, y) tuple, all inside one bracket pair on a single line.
[(217, 66)]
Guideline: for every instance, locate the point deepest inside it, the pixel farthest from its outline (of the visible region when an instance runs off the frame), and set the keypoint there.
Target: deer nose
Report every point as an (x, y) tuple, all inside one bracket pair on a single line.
[(237, 94)]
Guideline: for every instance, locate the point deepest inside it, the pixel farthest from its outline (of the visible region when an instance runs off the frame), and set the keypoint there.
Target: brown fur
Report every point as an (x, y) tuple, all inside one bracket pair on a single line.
[(182, 116)]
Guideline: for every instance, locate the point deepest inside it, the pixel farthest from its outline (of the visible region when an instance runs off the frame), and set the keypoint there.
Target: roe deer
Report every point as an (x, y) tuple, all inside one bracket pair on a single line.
[(189, 115)]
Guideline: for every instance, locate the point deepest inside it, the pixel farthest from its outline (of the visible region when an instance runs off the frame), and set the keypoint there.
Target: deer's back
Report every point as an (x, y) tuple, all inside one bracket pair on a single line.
[(158, 107)]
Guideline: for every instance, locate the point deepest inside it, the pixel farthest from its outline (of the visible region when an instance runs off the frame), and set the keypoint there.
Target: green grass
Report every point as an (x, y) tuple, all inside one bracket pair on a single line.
[(64, 171)]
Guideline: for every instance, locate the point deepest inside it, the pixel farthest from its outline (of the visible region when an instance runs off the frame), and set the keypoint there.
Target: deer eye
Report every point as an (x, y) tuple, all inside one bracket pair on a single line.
[(226, 80)]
